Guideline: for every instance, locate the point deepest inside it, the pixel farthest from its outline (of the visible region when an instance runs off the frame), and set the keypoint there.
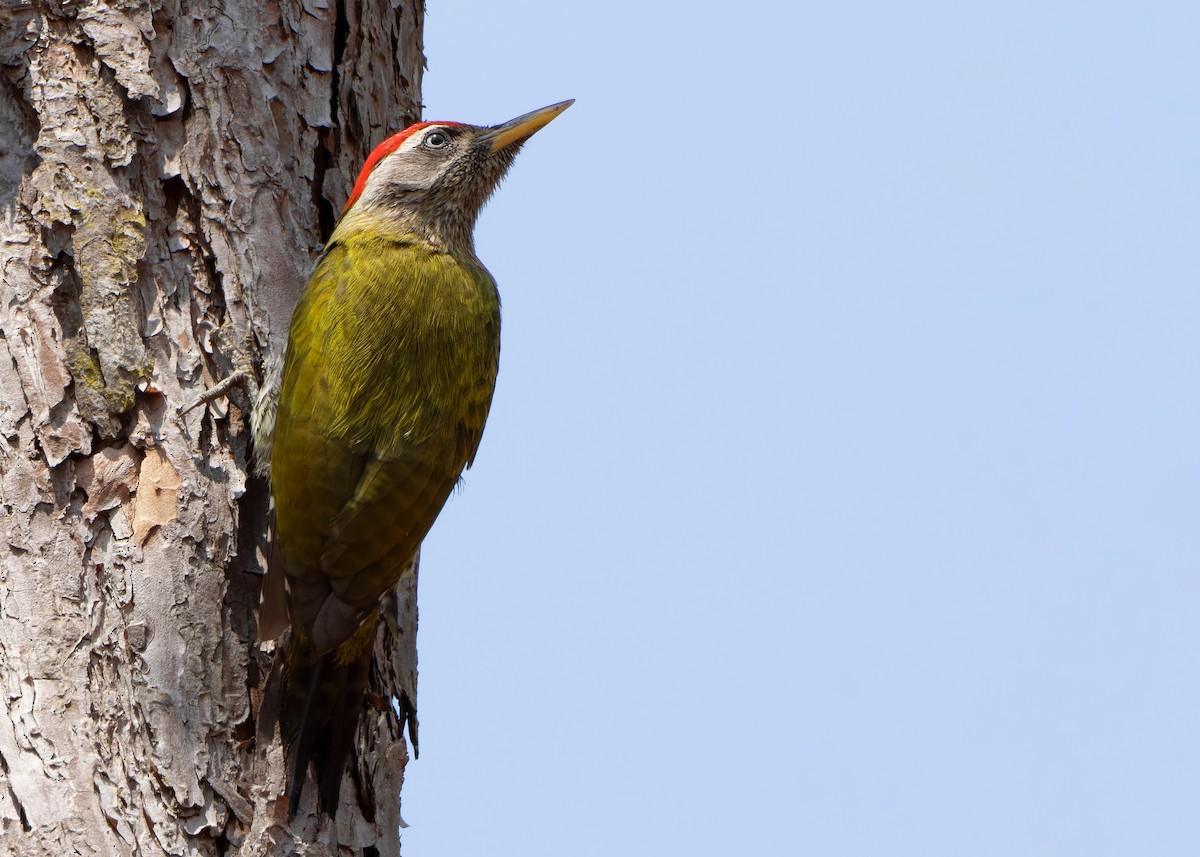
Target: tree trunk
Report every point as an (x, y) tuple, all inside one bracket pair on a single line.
[(168, 170)]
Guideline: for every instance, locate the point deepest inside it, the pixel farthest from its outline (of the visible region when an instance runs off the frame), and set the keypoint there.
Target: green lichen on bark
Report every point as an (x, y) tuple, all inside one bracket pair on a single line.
[(106, 354), (109, 243)]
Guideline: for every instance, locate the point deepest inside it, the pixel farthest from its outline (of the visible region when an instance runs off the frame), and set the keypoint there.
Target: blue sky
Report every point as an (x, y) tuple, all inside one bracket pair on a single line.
[(840, 494)]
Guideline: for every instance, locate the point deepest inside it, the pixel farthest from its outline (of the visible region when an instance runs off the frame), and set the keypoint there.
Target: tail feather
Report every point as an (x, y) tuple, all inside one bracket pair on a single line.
[(321, 700), (331, 763)]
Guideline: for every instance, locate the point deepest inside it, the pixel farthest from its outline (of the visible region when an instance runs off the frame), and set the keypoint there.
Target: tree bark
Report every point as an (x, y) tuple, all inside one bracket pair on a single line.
[(168, 170)]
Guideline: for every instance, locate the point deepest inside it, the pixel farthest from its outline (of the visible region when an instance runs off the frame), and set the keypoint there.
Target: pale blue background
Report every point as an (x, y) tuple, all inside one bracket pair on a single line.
[(842, 488)]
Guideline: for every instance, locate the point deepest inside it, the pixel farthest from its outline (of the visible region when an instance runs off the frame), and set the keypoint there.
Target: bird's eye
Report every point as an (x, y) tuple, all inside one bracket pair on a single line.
[(437, 140)]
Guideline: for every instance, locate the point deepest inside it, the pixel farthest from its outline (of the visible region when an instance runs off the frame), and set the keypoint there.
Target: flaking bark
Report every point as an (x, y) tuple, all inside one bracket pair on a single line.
[(167, 172)]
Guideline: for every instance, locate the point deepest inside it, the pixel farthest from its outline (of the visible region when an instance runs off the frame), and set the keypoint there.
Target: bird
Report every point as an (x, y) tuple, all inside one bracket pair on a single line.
[(378, 408)]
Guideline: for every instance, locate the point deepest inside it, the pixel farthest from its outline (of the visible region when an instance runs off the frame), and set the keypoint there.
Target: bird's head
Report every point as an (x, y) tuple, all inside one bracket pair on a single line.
[(434, 177)]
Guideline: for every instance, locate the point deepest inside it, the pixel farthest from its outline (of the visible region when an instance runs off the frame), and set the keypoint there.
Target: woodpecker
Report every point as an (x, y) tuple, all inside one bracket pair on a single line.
[(385, 387)]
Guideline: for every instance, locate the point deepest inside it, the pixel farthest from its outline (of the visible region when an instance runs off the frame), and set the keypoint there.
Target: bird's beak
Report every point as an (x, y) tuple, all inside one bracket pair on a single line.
[(523, 127)]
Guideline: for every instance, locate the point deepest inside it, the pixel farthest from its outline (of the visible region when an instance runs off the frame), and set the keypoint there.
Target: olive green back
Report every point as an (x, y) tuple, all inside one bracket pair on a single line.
[(390, 367)]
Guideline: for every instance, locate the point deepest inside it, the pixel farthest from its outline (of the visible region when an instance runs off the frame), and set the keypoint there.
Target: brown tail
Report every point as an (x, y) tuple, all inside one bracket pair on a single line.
[(320, 702)]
